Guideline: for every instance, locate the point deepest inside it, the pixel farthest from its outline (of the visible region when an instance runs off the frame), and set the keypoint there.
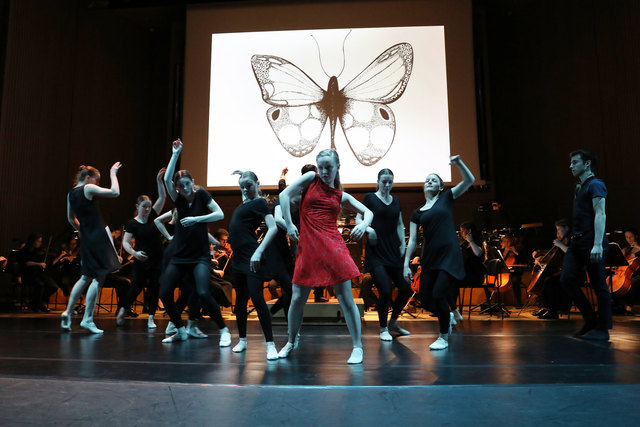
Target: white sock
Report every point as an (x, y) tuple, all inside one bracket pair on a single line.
[(272, 353), (150, 323), (241, 346)]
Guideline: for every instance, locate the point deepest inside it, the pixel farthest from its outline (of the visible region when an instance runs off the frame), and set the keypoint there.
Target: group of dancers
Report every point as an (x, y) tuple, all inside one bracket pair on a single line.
[(307, 212)]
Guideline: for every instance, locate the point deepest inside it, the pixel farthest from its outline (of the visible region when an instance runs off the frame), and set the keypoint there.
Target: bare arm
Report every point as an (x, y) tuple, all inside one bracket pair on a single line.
[(215, 214), (400, 231), (599, 224), (353, 204), (411, 247), (298, 186), (477, 250), (254, 263), (71, 217), (162, 193), (159, 223), (126, 245), (176, 148), (277, 216), (92, 190), (467, 177)]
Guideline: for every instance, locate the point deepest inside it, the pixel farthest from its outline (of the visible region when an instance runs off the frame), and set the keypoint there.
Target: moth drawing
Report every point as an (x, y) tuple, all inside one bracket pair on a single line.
[(300, 108)]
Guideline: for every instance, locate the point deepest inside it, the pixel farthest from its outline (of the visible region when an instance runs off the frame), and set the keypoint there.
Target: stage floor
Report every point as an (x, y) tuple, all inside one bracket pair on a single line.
[(493, 369)]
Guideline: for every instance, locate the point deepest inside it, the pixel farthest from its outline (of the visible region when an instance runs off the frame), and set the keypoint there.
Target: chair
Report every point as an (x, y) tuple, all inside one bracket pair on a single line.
[(496, 268)]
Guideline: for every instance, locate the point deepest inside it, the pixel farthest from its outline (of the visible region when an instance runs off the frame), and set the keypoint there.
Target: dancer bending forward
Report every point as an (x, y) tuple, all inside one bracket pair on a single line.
[(323, 258)]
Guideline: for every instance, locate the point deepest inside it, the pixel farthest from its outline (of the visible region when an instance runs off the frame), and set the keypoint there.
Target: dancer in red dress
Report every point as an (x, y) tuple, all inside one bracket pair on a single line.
[(323, 258)]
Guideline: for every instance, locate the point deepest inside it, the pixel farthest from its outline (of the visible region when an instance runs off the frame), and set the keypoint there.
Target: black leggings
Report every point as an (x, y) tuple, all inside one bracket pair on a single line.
[(283, 277), (170, 278), (383, 276), (144, 276), (434, 288), (248, 286)]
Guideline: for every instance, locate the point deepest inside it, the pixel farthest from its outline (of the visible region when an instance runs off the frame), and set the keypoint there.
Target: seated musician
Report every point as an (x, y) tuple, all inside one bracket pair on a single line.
[(554, 298), (473, 256), (31, 259), (221, 288), (513, 254), (632, 252)]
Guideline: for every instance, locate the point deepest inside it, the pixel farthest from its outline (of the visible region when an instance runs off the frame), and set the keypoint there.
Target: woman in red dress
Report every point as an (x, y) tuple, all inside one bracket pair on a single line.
[(323, 258)]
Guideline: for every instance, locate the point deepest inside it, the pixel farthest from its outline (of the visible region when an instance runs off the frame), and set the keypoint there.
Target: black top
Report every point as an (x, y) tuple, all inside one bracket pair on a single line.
[(191, 244), (242, 234), (583, 214), (473, 264), (440, 249), (279, 249), (147, 235), (386, 251), (29, 271)]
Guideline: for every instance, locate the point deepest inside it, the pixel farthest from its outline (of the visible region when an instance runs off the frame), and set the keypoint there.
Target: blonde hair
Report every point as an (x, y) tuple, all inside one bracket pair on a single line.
[(330, 152)]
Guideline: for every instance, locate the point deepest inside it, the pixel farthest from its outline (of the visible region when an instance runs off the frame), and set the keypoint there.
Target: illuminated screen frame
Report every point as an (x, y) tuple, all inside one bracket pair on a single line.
[(203, 21)]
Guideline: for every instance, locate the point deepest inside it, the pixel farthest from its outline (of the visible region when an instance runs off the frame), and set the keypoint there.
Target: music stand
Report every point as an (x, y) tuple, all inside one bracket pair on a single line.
[(496, 267)]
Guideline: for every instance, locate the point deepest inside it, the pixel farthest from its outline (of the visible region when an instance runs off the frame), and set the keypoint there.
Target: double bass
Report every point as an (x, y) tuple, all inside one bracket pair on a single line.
[(540, 269), (621, 279)]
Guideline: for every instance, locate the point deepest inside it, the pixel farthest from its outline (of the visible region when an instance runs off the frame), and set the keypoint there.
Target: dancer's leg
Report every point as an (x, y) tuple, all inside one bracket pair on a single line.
[(255, 287), (201, 276), (351, 312), (76, 293), (299, 296)]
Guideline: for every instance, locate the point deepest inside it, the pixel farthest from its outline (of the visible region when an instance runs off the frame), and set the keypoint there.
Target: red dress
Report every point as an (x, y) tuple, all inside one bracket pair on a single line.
[(323, 258)]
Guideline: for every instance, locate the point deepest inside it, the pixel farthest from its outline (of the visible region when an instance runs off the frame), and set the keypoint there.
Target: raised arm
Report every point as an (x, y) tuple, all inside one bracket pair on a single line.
[(71, 216), (176, 148), (92, 190), (467, 177), (599, 223), (254, 264), (162, 193), (298, 186), (159, 223), (353, 204), (215, 214), (411, 247)]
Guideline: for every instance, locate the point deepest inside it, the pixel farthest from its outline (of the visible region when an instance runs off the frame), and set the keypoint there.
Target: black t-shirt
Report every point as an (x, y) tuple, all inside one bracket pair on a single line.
[(242, 232), (191, 244), (279, 248), (583, 214), (147, 237), (440, 250), (473, 264), (386, 251), (29, 271)]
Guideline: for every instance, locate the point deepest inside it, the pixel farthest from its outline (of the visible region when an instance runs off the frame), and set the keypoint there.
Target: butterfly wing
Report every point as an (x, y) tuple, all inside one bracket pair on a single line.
[(368, 123), (297, 116)]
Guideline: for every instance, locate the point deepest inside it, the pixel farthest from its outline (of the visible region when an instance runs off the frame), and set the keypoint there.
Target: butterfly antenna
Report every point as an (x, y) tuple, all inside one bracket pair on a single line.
[(319, 57), (343, 54)]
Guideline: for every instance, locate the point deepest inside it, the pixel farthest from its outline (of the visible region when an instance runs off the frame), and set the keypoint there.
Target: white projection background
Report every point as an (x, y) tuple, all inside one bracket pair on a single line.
[(240, 136)]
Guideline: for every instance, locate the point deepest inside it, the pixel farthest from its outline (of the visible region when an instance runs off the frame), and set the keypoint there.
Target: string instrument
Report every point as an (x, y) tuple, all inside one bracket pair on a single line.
[(539, 269), (415, 282), (621, 279)]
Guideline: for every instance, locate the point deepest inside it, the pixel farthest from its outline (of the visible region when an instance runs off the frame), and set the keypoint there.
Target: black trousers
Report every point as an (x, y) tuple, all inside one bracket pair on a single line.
[(575, 262), (250, 286), (434, 289), (144, 275), (384, 277)]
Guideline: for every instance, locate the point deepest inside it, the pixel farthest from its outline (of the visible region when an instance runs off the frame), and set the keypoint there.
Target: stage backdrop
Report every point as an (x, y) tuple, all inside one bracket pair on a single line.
[(257, 91)]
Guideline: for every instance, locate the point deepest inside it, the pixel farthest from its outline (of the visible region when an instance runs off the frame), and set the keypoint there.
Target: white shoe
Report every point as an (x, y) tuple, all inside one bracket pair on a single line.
[(120, 317), (296, 342), (393, 327), (272, 353), (450, 323), (385, 335), (171, 328), (441, 343), (195, 332), (150, 323), (241, 346), (65, 322), (225, 337), (91, 327), (284, 351), (356, 356), (457, 315), (180, 335)]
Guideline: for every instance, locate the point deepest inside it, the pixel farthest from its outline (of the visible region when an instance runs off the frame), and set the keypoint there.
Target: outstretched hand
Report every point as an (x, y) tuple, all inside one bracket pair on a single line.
[(115, 168), (160, 175), (176, 146)]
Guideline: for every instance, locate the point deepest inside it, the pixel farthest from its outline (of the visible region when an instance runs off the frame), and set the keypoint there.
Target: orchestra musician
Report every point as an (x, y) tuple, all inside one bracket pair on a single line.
[(31, 259), (586, 248), (553, 296), (632, 254), (473, 258)]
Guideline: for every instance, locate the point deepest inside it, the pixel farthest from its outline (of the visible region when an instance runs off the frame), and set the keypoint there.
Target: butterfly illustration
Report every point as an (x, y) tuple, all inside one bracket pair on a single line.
[(300, 108)]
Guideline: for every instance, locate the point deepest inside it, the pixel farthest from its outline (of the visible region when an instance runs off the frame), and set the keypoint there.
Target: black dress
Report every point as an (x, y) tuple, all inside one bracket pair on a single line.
[(190, 245), (386, 251), (97, 253), (440, 250)]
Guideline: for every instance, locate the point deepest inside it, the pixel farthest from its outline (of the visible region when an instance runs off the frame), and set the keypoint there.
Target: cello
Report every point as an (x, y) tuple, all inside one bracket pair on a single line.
[(621, 279)]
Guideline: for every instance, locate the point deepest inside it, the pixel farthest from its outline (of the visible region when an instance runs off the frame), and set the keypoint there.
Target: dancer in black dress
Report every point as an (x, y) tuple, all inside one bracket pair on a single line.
[(190, 249), (147, 255), (384, 252), (249, 268), (97, 253), (441, 258)]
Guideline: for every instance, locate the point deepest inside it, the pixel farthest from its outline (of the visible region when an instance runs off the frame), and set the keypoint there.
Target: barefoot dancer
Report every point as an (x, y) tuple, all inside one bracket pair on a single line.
[(323, 258), (97, 253)]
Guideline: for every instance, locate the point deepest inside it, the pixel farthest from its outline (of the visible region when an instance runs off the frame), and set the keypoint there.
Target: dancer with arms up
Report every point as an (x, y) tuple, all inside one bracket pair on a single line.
[(147, 253), (190, 249), (384, 252), (441, 259), (97, 253), (323, 258)]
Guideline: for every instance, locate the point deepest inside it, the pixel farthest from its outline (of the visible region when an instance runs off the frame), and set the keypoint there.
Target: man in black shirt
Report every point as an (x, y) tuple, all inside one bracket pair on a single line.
[(586, 248)]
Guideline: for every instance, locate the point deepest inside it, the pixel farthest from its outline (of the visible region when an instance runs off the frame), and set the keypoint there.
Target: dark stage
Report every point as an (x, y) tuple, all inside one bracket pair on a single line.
[(518, 370)]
